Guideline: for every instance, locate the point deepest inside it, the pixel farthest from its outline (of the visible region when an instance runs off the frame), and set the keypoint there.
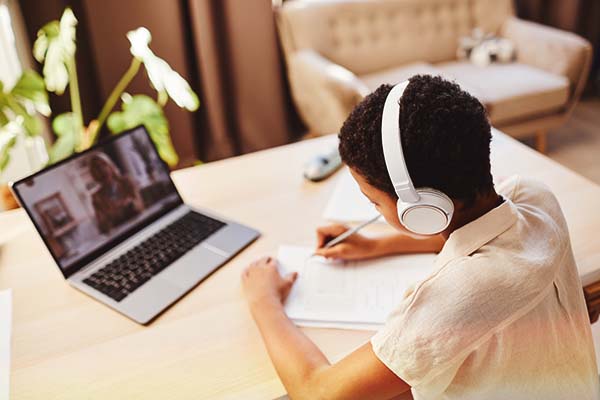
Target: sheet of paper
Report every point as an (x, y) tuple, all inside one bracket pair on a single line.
[(5, 333), (347, 203), (352, 295)]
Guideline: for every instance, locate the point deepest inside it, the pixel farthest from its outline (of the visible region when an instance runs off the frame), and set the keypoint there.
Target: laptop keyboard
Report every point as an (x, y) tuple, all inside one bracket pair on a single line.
[(131, 270)]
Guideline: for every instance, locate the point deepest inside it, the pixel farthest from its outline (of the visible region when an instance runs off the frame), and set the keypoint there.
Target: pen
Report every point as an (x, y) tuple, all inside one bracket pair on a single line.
[(350, 232)]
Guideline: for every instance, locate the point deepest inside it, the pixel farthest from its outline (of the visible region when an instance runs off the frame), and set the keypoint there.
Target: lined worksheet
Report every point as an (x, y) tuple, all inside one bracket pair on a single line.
[(347, 204), (353, 295), (5, 335)]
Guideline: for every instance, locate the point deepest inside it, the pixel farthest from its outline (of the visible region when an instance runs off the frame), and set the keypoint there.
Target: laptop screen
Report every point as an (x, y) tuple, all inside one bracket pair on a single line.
[(90, 202)]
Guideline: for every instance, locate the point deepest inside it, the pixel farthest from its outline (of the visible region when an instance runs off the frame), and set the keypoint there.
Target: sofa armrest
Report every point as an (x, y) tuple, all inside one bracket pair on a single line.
[(324, 92), (553, 50)]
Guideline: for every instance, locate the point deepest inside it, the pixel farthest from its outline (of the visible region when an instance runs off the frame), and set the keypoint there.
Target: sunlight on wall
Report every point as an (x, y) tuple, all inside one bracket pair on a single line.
[(10, 67)]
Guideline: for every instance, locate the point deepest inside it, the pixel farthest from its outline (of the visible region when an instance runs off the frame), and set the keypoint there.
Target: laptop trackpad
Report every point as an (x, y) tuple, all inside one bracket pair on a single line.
[(194, 266)]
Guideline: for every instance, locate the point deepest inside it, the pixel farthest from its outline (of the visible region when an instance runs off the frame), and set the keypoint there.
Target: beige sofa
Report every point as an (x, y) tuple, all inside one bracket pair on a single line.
[(337, 51)]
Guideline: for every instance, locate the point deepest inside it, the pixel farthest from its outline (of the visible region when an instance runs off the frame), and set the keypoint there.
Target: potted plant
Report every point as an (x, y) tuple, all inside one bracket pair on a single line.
[(55, 48)]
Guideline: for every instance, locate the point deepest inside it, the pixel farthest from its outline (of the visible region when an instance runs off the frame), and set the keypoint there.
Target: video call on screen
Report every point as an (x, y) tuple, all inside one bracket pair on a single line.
[(83, 203)]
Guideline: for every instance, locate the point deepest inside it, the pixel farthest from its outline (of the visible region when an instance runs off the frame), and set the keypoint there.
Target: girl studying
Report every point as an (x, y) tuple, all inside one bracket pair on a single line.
[(501, 317)]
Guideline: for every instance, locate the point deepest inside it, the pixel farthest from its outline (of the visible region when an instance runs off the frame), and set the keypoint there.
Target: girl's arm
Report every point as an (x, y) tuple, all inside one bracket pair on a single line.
[(401, 243), (358, 247), (304, 370)]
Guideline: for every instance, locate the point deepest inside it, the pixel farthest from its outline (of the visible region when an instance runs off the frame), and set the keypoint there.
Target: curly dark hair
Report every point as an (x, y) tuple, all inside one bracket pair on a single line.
[(445, 139)]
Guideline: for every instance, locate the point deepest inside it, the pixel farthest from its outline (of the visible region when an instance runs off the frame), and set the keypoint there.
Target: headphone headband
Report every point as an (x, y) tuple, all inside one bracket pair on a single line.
[(392, 146), (425, 211)]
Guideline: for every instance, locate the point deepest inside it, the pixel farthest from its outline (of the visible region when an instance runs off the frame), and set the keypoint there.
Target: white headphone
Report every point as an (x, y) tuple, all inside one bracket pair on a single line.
[(424, 211)]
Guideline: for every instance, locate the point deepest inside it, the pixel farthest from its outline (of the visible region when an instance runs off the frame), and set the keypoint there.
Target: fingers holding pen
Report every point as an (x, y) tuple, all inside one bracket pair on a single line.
[(327, 233)]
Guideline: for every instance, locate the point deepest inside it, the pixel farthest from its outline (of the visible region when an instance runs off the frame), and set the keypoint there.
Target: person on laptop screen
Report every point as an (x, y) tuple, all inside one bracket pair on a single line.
[(116, 200), (503, 315)]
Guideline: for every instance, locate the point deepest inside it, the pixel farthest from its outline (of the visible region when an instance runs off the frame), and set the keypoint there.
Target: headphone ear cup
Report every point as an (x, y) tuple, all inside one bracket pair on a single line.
[(430, 215), (401, 208)]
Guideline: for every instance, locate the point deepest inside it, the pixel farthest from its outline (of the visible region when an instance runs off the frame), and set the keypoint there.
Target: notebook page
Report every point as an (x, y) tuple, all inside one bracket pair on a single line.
[(355, 294), (5, 333), (347, 203)]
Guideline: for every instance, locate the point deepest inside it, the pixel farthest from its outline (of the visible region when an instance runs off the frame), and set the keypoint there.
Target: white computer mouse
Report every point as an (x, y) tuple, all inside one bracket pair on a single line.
[(323, 165)]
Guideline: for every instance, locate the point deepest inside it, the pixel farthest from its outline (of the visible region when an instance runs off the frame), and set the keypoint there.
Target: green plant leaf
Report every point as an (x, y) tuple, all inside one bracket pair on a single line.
[(162, 77), (66, 129), (141, 109), (8, 138), (3, 118), (55, 47), (32, 124), (31, 92), (46, 34), (4, 107), (23, 101)]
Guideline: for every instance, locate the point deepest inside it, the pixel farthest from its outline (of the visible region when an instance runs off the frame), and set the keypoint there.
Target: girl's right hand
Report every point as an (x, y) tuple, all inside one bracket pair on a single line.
[(355, 247)]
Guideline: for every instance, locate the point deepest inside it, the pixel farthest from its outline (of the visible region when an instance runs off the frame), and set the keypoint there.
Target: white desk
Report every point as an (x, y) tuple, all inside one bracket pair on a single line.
[(68, 346)]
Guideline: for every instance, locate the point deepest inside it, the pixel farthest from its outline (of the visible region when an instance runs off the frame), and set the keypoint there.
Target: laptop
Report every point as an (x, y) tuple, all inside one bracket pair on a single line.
[(119, 231)]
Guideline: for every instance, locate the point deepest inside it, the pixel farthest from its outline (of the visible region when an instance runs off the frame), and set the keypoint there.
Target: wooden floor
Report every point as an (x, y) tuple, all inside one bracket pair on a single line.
[(576, 145)]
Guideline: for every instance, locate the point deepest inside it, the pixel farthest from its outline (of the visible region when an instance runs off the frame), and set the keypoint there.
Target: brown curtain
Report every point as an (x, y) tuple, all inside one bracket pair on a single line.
[(558, 13), (248, 103), (579, 16), (226, 49)]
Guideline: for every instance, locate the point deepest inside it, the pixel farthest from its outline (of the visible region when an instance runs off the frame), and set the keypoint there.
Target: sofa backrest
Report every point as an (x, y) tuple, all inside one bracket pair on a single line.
[(370, 35)]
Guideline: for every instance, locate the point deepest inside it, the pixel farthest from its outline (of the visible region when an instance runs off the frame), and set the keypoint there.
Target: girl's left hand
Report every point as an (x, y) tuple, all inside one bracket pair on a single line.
[(261, 281)]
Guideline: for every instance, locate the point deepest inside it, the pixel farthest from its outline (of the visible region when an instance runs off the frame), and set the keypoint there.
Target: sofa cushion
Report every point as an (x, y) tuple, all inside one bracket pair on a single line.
[(396, 75), (510, 91)]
